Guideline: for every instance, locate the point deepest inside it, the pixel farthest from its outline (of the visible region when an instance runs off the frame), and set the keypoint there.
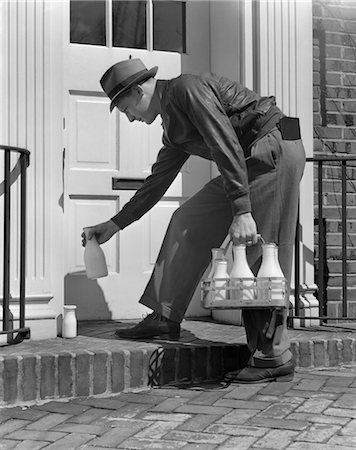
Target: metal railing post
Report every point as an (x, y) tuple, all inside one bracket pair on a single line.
[(343, 236), (6, 260), (24, 164), (8, 325), (321, 233), (297, 266)]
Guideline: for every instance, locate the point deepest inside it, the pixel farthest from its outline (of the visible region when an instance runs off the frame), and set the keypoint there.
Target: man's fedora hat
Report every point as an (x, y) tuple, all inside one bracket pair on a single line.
[(122, 76)]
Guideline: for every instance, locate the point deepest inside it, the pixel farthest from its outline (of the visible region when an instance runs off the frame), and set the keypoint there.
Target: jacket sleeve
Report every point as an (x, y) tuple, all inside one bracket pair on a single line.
[(201, 104), (164, 171)]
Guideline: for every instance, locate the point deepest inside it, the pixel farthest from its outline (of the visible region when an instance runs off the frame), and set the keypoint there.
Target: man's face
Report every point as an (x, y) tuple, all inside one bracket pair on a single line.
[(136, 105)]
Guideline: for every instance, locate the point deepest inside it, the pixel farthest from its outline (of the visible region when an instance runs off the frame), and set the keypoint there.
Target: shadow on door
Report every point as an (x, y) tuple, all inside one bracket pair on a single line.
[(87, 295)]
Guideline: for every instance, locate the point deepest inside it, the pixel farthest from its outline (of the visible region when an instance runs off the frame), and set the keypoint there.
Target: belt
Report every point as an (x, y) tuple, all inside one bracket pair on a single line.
[(269, 122)]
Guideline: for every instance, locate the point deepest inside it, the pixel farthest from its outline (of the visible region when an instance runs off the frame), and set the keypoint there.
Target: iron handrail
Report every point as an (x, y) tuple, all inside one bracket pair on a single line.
[(24, 158), (10, 148), (320, 159)]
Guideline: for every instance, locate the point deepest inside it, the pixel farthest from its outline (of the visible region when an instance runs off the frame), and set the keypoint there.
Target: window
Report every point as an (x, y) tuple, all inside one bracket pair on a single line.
[(169, 26), (142, 24), (129, 24), (87, 22)]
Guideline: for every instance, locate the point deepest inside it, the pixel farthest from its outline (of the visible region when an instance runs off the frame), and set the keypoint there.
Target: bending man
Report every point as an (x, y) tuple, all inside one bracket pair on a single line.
[(260, 158)]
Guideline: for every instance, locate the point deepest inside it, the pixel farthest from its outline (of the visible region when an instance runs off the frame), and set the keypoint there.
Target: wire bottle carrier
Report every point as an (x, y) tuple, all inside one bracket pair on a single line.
[(252, 292)]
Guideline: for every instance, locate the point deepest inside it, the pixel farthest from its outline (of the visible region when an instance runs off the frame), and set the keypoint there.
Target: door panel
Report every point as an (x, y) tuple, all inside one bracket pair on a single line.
[(94, 133), (92, 147)]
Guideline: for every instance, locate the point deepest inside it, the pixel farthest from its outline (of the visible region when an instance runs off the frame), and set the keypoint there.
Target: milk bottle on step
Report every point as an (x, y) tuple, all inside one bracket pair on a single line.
[(69, 324)]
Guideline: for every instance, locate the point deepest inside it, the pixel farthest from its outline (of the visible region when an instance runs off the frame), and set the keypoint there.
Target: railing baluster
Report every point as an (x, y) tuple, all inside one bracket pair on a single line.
[(321, 231), (24, 164), (343, 235), (297, 267), (6, 269)]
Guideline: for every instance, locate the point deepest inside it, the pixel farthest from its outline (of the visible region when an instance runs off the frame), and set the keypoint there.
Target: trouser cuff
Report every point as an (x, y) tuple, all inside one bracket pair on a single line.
[(164, 310), (273, 361)]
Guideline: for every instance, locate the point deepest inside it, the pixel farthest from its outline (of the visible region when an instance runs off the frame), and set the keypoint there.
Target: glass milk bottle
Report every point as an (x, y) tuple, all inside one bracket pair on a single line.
[(94, 259), (241, 270), (269, 269), (281, 274), (69, 323), (216, 253), (221, 278)]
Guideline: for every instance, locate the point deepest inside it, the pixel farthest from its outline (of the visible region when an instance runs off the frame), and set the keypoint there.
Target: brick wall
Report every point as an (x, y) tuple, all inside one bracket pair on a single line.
[(334, 46)]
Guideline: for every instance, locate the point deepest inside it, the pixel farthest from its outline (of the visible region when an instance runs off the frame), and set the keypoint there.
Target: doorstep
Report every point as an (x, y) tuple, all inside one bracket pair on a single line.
[(97, 363)]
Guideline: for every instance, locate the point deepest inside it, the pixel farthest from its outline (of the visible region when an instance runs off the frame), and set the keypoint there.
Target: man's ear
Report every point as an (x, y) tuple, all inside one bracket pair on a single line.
[(138, 89)]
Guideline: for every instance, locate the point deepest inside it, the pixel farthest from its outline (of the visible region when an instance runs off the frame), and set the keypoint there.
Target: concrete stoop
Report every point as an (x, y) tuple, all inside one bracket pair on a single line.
[(98, 364)]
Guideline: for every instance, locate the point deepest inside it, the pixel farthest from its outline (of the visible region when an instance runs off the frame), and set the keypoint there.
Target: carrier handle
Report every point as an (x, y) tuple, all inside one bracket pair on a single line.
[(226, 247)]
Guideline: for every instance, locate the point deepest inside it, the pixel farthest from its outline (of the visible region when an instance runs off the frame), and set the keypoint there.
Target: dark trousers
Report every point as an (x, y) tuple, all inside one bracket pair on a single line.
[(275, 169)]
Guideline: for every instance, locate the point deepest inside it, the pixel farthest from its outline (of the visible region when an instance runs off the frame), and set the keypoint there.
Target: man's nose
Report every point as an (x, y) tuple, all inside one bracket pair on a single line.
[(130, 117)]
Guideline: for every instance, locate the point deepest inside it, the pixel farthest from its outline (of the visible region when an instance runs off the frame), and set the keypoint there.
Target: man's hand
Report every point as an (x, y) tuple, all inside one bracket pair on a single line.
[(102, 232), (243, 230)]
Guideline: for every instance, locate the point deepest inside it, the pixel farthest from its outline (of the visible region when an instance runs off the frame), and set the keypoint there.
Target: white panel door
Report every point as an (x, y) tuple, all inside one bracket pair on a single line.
[(99, 148)]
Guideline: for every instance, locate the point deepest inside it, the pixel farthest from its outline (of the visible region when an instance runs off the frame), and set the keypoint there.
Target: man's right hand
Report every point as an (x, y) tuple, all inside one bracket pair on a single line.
[(243, 230), (102, 232)]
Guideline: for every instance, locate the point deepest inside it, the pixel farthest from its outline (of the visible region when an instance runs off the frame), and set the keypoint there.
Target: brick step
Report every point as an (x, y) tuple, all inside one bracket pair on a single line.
[(34, 371), (29, 378)]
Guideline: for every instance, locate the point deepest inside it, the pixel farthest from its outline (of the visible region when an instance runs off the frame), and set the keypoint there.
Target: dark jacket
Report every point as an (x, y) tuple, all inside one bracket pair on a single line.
[(211, 117)]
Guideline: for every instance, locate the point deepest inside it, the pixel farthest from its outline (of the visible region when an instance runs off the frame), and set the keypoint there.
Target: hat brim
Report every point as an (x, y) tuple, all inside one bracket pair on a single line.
[(149, 74)]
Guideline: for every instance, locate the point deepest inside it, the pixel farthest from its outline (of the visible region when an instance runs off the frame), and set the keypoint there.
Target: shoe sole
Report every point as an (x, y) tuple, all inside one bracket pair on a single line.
[(280, 379), (163, 336)]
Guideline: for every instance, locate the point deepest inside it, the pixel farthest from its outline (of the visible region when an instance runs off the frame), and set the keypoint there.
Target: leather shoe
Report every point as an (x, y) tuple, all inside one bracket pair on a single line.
[(252, 374), (152, 326)]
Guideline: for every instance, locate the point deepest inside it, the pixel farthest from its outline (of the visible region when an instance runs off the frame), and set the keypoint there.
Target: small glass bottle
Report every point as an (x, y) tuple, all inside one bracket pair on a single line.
[(207, 283), (69, 324), (269, 274), (241, 276), (94, 259), (216, 253), (221, 278), (281, 274)]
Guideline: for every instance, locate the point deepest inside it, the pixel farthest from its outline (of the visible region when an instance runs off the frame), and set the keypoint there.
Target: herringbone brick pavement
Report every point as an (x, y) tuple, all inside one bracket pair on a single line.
[(316, 411)]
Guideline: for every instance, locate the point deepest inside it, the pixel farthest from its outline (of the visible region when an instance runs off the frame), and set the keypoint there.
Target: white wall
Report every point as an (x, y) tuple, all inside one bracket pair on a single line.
[(31, 112), (285, 68), (196, 60)]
